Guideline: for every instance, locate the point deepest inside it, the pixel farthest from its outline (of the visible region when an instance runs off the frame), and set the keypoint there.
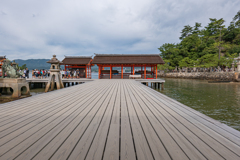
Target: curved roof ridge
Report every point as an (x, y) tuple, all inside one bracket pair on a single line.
[(97, 54), (77, 56)]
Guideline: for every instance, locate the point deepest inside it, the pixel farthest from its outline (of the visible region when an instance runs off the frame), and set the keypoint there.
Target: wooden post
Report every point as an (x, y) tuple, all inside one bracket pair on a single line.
[(145, 72), (133, 70), (64, 67), (110, 72), (162, 86), (156, 71), (122, 72)]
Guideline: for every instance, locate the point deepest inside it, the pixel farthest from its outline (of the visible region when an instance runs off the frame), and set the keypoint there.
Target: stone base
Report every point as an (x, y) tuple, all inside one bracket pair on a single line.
[(18, 85), (219, 76)]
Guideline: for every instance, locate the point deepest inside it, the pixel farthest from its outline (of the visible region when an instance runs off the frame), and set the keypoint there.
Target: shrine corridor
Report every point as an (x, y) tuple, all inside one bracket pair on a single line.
[(111, 119)]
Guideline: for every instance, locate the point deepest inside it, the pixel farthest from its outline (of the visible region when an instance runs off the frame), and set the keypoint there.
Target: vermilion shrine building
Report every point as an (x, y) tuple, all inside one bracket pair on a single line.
[(141, 61), (81, 63), (2, 58)]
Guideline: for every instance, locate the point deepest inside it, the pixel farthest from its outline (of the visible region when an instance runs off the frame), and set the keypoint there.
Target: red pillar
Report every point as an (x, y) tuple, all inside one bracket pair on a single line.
[(110, 72), (156, 71), (86, 71), (122, 72), (145, 72), (64, 67), (133, 70), (99, 72)]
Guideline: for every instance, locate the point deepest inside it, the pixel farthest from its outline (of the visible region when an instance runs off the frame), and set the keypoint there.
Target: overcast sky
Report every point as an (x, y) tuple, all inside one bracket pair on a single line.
[(41, 28)]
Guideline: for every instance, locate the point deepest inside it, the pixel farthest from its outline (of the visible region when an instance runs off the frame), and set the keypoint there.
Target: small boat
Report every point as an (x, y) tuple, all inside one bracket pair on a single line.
[(219, 81)]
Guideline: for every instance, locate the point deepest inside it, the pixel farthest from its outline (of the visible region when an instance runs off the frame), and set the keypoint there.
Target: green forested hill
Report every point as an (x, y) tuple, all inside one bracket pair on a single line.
[(34, 63), (209, 46)]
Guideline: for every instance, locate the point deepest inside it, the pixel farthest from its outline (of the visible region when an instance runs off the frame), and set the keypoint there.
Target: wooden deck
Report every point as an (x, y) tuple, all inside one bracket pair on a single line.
[(111, 119)]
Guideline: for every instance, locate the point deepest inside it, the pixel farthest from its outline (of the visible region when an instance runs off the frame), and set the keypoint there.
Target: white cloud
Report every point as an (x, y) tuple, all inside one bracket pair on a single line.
[(38, 29)]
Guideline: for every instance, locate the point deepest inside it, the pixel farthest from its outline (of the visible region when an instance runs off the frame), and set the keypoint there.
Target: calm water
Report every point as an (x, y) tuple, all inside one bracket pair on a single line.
[(219, 101)]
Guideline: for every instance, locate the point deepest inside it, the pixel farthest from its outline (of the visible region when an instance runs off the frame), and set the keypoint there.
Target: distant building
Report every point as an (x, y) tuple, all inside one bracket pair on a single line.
[(143, 61), (81, 63), (2, 58)]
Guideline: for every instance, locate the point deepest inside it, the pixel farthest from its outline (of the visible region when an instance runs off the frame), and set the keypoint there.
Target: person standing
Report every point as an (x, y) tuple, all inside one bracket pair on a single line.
[(27, 73), (62, 73)]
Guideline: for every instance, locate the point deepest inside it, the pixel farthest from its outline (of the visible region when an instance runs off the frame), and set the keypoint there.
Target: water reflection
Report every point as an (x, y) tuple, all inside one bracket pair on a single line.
[(219, 101)]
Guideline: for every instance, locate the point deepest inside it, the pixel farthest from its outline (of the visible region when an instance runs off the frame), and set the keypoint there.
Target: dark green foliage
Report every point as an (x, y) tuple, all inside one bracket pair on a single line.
[(201, 46), (22, 67)]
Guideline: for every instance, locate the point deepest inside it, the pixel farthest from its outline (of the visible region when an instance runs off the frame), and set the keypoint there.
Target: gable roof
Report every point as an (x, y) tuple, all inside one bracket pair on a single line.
[(127, 59), (2, 57), (76, 60)]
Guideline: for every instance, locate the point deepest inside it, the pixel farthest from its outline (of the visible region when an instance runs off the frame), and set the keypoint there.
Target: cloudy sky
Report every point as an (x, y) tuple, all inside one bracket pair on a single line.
[(41, 28)]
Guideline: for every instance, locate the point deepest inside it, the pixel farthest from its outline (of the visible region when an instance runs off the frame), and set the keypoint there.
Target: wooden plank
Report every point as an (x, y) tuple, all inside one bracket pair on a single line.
[(183, 125), (197, 120), (98, 144), (112, 145), (69, 137), (196, 113), (162, 144), (28, 118), (83, 145), (173, 141), (45, 119), (111, 119), (35, 100), (127, 143), (31, 106), (46, 133), (143, 150)]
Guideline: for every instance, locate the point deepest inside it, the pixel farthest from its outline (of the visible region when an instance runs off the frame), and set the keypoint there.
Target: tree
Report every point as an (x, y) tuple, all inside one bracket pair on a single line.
[(208, 60), (236, 19), (196, 28), (166, 66), (204, 44), (187, 30), (187, 62), (22, 67)]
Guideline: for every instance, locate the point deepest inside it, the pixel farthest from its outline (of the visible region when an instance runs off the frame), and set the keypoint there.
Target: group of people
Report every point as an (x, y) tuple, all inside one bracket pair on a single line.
[(25, 73), (42, 73), (72, 74)]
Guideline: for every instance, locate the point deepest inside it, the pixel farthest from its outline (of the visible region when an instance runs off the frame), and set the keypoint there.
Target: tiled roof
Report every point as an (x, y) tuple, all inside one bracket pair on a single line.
[(127, 59), (76, 59)]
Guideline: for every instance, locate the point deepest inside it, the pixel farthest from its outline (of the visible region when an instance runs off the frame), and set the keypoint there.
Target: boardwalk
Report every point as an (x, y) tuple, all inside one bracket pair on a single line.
[(111, 119)]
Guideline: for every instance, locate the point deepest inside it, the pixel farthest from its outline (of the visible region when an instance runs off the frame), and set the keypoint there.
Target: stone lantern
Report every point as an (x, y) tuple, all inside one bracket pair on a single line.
[(233, 67), (54, 74), (14, 65), (238, 63)]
